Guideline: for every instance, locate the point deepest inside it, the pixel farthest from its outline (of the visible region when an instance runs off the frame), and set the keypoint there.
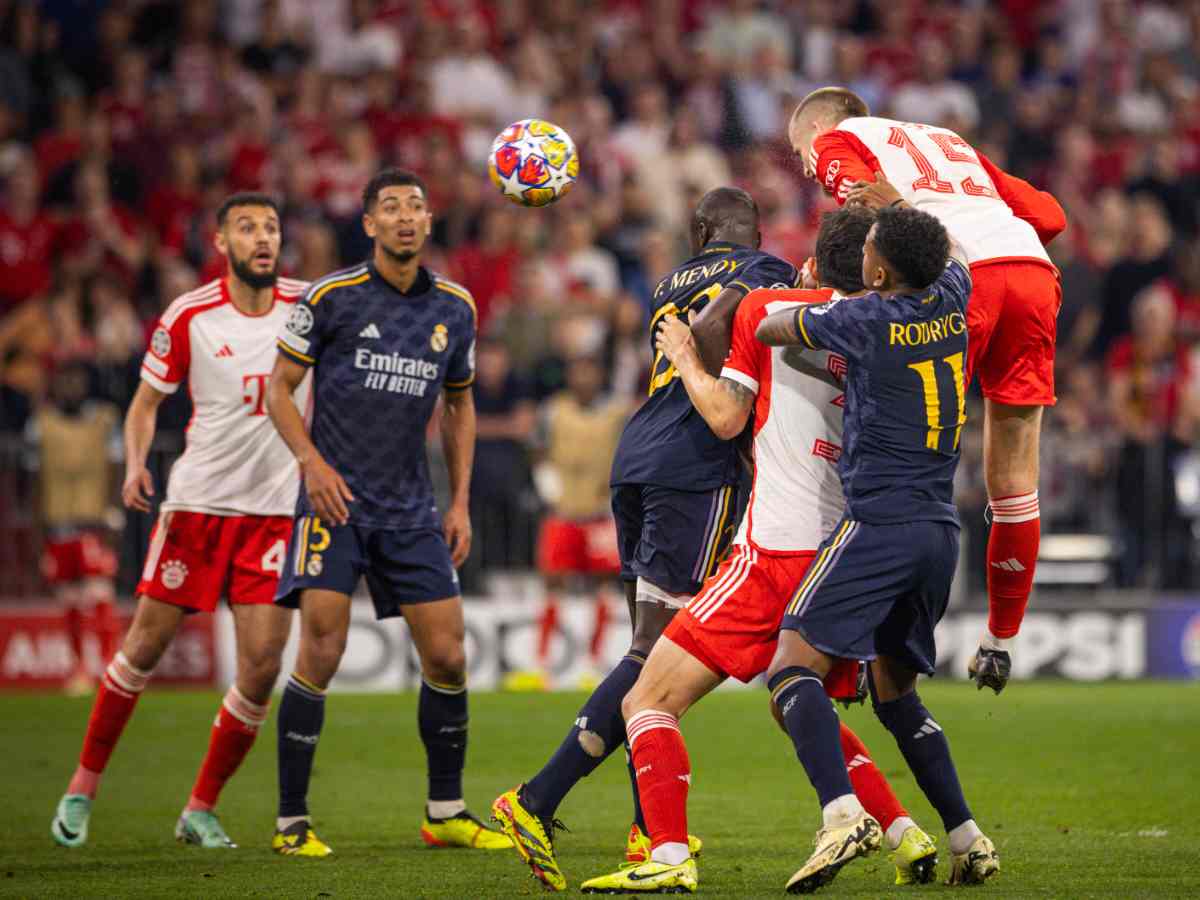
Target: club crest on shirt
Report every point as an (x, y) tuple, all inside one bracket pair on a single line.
[(300, 321), (160, 342), (440, 339)]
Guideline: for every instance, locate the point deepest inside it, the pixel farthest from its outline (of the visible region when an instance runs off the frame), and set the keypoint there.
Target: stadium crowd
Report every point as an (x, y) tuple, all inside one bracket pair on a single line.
[(124, 123)]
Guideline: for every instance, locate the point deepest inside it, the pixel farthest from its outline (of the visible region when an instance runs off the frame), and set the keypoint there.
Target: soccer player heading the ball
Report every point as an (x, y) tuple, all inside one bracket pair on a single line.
[(881, 579), (384, 340)]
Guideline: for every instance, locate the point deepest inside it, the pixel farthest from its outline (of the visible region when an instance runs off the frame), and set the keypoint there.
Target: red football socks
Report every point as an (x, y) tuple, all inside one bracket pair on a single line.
[(546, 628), (869, 783), (233, 734), (1011, 559), (117, 696), (664, 774)]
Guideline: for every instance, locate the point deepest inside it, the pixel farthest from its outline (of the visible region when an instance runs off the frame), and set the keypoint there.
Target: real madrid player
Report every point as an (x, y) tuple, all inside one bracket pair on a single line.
[(385, 340), (674, 497), (224, 526)]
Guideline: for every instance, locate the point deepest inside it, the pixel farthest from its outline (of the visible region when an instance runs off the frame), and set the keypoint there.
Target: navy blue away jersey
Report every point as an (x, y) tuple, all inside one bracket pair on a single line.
[(905, 394), (667, 443), (380, 358)]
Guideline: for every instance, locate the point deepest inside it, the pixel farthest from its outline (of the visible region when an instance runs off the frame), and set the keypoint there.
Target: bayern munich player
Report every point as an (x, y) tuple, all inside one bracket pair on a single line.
[(1002, 224), (224, 526), (794, 399)]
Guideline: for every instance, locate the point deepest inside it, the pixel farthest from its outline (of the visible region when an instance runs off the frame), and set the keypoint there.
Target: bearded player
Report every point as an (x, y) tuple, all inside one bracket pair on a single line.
[(794, 399), (1002, 223), (674, 497), (224, 526), (385, 341)]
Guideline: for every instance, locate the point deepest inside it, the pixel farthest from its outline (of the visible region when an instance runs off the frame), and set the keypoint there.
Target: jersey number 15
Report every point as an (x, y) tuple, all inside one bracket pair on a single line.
[(955, 149)]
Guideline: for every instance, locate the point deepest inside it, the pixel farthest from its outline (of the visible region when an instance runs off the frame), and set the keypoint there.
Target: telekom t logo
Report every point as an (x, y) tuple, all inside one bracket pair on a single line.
[(254, 393)]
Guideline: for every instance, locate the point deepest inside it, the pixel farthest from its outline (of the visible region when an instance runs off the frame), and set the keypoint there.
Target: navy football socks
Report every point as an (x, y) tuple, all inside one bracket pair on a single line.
[(442, 721), (638, 816), (927, 753), (597, 732), (301, 716), (813, 726)]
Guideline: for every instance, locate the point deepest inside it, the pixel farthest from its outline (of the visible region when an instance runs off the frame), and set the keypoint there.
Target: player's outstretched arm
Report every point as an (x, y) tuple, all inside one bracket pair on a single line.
[(139, 435), (458, 440), (722, 402), (779, 330), (326, 489)]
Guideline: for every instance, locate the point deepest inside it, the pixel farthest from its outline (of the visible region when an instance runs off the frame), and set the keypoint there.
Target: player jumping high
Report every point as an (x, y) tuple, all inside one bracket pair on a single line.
[(675, 501), (1002, 223), (881, 579), (385, 339), (795, 401), (224, 526)]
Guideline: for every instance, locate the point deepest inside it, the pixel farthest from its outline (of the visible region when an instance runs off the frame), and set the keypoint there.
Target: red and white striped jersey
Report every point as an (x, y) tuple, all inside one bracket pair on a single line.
[(234, 463), (797, 497), (993, 215)]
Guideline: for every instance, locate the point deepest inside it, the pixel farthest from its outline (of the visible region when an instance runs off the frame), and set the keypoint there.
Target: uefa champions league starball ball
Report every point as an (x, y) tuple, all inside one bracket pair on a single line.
[(533, 162)]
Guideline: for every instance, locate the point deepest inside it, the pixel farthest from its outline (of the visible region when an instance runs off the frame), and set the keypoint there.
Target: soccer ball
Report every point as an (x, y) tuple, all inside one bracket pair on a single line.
[(533, 162)]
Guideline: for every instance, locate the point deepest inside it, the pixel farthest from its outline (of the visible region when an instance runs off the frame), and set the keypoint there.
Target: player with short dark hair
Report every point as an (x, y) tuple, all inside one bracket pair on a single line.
[(791, 398), (675, 500), (881, 580), (1003, 224), (384, 341), (224, 526)]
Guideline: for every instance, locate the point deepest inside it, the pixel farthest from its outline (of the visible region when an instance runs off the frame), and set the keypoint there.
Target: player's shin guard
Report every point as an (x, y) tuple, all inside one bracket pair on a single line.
[(927, 753), (301, 717), (597, 732), (813, 726), (120, 688), (442, 721), (664, 774), (869, 784), (238, 721), (1012, 553)]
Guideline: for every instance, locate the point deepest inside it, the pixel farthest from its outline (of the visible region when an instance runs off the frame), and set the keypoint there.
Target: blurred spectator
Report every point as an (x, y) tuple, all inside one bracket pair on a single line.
[(934, 96), (500, 481), (737, 33), (486, 267), (1153, 399), (26, 238)]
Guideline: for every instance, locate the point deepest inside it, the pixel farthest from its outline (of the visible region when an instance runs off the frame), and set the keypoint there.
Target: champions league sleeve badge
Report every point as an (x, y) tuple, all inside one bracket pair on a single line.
[(300, 321)]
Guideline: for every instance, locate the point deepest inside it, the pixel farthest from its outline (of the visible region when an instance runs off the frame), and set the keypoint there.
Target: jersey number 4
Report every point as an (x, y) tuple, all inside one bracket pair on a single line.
[(933, 401), (955, 149)]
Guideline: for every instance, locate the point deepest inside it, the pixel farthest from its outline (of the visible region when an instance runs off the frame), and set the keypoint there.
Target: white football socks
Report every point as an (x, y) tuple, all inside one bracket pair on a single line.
[(841, 810), (895, 832), (962, 837), (445, 809)]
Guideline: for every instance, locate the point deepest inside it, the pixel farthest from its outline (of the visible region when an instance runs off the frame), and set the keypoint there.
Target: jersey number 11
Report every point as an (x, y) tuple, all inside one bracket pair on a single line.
[(933, 400)]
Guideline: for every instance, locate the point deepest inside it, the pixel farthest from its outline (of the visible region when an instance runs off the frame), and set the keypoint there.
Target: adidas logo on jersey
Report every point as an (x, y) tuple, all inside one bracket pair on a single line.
[(370, 332), (1009, 565), (224, 352)]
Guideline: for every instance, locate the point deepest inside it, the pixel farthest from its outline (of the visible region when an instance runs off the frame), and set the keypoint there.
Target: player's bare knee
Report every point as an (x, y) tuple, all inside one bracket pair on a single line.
[(258, 672), (446, 664)]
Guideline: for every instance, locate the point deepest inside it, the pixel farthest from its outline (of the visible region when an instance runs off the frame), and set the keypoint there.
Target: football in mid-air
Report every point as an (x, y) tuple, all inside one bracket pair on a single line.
[(533, 162)]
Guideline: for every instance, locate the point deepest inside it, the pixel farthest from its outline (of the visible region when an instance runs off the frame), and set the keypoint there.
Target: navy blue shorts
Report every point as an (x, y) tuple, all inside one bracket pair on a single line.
[(877, 590), (402, 566), (673, 539)]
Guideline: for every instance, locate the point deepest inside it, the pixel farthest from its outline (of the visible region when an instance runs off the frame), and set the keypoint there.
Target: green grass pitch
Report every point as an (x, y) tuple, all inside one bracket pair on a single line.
[(1087, 790)]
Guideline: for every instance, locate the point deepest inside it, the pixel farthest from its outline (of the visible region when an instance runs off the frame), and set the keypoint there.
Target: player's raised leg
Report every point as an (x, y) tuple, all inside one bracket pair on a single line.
[(670, 683), (261, 631), (324, 626), (437, 632), (154, 625), (1011, 438), (927, 752)]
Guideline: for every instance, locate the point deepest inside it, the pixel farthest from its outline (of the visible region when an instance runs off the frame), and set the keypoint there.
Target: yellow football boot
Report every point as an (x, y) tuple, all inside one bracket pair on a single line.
[(834, 847), (647, 878), (298, 839), (637, 846), (462, 830), (532, 836), (977, 865), (915, 858)]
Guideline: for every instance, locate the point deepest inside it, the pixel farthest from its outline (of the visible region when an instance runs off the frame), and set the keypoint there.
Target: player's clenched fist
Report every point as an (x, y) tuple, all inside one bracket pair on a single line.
[(327, 491), (138, 489), (672, 337)]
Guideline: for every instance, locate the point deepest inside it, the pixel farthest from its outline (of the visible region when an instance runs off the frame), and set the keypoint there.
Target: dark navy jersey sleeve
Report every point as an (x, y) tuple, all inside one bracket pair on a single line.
[(954, 284), (460, 370), (843, 326), (767, 271), (310, 326)]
